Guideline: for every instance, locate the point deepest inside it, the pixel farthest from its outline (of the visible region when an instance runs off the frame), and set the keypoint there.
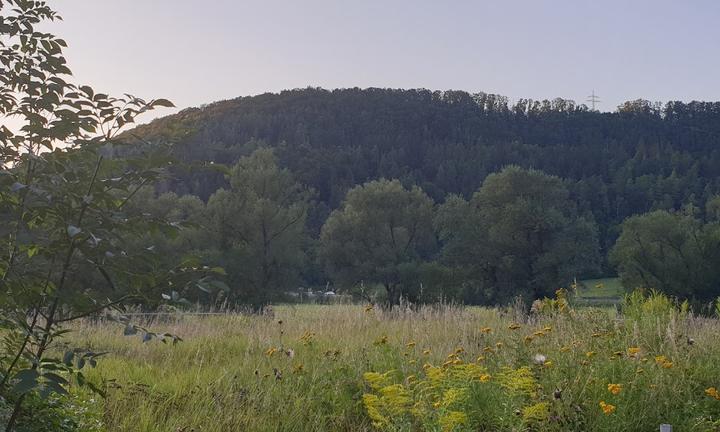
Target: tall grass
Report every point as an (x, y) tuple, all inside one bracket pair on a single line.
[(304, 369)]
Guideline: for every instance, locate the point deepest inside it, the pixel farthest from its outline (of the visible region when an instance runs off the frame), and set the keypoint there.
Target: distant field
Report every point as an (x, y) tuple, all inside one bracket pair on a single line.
[(442, 368), (600, 291)]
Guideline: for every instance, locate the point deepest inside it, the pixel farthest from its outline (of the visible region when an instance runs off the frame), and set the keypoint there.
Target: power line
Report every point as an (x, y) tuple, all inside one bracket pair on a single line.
[(593, 99)]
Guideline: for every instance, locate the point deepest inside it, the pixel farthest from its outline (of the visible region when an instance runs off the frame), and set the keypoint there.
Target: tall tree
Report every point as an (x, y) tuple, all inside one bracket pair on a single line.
[(381, 233), (519, 234), (671, 252), (258, 228)]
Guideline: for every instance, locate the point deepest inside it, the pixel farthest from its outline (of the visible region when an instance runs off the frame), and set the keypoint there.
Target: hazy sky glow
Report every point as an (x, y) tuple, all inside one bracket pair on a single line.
[(195, 52)]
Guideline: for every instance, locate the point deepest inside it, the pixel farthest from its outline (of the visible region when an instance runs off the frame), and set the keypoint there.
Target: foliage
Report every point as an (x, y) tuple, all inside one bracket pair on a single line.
[(257, 229), (382, 231), (675, 253), (62, 202), (519, 234)]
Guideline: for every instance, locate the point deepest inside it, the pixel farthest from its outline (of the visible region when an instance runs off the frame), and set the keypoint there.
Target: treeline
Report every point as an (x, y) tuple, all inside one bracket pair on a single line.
[(519, 234), (645, 157)]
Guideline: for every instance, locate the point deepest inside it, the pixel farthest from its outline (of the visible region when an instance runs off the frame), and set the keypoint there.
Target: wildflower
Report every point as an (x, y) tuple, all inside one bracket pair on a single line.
[(589, 354), (271, 351), (566, 348), (548, 364), (499, 344), (410, 344), (557, 394), (607, 408), (690, 341), (713, 393), (452, 419), (528, 339), (486, 330), (514, 326), (633, 351), (369, 308), (617, 354), (538, 412), (307, 338), (290, 352), (663, 362), (639, 371), (382, 340), (488, 349), (614, 388), (426, 351), (376, 380), (547, 329), (459, 350), (539, 359), (480, 358), (595, 335), (485, 378), (539, 333), (298, 369)]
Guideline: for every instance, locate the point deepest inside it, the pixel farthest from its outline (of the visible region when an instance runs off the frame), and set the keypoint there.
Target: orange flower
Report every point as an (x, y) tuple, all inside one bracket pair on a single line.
[(486, 330), (615, 388), (607, 408)]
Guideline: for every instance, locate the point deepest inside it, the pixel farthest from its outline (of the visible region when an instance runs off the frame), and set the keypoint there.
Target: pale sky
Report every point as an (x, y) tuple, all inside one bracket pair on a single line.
[(196, 52)]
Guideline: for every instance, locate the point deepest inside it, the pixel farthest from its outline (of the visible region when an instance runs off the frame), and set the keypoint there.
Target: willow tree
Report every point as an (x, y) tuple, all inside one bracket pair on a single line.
[(381, 234)]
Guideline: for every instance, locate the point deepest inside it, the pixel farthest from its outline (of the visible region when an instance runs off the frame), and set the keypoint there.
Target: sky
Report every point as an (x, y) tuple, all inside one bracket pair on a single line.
[(197, 52)]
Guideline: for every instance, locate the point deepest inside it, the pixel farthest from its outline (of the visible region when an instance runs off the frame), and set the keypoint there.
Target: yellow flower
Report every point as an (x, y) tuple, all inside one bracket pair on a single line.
[(298, 369), (589, 354), (614, 388), (607, 408), (426, 351), (486, 330), (536, 413), (663, 362), (452, 419), (713, 393), (488, 349), (480, 358), (566, 348), (528, 339), (548, 364), (539, 333), (271, 351), (459, 350), (547, 329), (633, 351), (485, 378), (410, 344), (369, 308), (514, 326), (382, 340)]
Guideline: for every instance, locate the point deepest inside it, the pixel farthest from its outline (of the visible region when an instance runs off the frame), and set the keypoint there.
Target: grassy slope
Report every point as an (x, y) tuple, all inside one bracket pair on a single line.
[(221, 379)]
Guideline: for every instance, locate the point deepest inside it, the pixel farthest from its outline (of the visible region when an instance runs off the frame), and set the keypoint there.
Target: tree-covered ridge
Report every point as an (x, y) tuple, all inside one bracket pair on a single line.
[(642, 157)]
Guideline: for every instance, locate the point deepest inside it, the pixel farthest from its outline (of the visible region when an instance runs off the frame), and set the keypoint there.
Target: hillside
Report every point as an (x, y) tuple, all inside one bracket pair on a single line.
[(642, 157)]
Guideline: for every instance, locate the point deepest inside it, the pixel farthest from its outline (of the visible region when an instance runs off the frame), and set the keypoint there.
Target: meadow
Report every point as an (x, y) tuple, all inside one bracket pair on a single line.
[(440, 368)]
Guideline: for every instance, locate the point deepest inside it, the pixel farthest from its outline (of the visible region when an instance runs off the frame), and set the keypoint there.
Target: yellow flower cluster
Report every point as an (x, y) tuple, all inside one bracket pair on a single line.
[(663, 362), (713, 393), (607, 408), (614, 388)]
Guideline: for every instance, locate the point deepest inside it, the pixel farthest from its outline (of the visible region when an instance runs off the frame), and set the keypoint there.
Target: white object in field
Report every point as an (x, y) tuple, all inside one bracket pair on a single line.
[(665, 428)]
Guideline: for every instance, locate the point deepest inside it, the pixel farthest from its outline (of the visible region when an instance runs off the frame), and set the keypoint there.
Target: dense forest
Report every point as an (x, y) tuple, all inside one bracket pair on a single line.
[(643, 157)]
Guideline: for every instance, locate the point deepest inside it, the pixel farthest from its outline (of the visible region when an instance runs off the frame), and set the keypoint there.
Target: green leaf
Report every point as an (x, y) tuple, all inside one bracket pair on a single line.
[(162, 103), (27, 380), (68, 358)]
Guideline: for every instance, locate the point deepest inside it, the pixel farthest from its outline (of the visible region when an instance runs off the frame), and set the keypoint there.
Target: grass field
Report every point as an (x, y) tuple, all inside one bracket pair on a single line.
[(345, 368)]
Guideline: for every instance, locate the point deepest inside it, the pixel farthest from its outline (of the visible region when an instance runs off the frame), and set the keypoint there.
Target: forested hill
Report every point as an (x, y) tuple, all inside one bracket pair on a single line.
[(643, 156)]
